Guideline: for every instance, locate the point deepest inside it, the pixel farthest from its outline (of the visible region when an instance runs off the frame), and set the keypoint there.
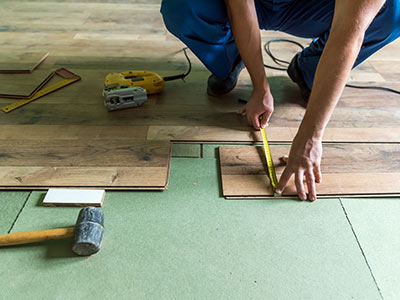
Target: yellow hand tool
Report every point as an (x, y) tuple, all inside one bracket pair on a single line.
[(125, 89), (69, 78), (270, 163), (150, 81)]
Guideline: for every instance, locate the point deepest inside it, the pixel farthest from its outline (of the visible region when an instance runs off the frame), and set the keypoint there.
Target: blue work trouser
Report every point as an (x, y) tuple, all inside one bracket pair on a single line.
[(204, 27)]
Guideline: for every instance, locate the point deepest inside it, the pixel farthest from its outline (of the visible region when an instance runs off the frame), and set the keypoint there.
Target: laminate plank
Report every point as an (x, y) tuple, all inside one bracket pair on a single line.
[(348, 169), (71, 132), (210, 134), (74, 113), (172, 107), (109, 178), (333, 185), (21, 62), (107, 153), (385, 66), (122, 164), (22, 85), (93, 39)]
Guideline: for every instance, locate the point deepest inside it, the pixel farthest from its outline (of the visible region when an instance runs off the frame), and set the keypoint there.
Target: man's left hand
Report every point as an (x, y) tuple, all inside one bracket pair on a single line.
[(304, 162)]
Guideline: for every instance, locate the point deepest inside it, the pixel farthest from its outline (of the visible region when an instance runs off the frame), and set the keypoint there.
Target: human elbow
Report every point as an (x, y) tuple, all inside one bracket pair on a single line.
[(352, 36)]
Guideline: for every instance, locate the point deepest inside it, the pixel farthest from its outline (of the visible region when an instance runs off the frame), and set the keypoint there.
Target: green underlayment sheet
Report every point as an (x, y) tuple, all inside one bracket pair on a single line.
[(190, 243), (10, 205), (377, 226)]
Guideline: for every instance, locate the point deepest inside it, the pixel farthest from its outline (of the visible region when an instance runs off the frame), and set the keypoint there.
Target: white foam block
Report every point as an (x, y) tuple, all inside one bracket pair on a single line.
[(74, 197)]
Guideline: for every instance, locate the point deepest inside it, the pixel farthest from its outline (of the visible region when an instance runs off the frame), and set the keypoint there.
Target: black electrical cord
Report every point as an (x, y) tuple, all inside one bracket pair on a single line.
[(181, 76), (383, 88), (284, 64), (280, 62)]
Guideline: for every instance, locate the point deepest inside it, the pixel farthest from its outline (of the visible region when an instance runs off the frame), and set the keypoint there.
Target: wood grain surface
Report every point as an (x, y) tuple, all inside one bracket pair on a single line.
[(94, 38), (348, 169), (106, 43), (23, 62), (108, 163)]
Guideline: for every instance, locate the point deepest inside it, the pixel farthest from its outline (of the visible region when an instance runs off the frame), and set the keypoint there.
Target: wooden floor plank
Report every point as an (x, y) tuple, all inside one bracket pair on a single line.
[(24, 62), (71, 132), (356, 119), (71, 128), (114, 164), (348, 169), (213, 134), (79, 153), (22, 85), (109, 178)]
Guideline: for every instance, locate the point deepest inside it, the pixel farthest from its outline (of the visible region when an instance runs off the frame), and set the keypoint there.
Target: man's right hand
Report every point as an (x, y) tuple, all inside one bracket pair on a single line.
[(246, 31), (261, 103)]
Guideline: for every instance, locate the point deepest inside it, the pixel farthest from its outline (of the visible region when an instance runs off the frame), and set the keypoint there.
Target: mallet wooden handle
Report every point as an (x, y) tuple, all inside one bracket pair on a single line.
[(35, 236)]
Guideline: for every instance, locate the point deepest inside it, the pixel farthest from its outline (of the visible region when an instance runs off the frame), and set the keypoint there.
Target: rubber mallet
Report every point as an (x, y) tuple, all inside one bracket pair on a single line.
[(88, 233)]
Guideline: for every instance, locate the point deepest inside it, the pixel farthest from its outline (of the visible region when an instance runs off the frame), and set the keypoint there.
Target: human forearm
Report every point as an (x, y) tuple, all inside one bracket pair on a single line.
[(244, 24), (330, 79), (332, 73), (351, 20), (245, 28)]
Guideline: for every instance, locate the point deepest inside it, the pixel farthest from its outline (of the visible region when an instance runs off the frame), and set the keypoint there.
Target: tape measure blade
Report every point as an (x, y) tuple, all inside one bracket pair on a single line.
[(270, 163)]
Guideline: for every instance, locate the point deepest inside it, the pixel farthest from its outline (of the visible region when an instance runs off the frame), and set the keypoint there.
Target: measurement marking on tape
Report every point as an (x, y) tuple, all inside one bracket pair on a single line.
[(270, 163)]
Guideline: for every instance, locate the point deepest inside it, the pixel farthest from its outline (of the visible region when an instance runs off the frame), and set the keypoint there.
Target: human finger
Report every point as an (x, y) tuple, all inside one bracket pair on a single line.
[(317, 173), (298, 179), (287, 173), (310, 179), (256, 121), (249, 120), (265, 120), (284, 159), (268, 114), (242, 111)]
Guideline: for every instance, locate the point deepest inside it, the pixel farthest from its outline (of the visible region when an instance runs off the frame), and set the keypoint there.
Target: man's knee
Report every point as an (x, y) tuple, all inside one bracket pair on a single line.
[(175, 14), (193, 17), (391, 16)]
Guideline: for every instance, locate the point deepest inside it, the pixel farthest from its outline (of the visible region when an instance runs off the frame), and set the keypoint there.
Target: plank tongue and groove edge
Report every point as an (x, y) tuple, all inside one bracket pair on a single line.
[(348, 170)]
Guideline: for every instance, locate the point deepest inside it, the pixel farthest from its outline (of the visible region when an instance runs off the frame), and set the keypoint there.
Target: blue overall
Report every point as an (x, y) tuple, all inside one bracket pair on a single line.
[(204, 27)]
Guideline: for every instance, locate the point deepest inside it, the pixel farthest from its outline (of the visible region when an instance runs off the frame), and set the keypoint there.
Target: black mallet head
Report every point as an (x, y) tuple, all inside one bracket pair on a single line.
[(88, 231)]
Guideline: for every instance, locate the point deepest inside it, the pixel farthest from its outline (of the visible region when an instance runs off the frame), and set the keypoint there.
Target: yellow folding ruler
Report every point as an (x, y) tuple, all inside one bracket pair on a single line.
[(69, 78), (270, 163)]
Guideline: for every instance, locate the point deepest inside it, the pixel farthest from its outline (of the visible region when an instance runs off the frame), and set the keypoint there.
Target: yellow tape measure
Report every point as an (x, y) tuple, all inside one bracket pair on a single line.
[(69, 78), (270, 163)]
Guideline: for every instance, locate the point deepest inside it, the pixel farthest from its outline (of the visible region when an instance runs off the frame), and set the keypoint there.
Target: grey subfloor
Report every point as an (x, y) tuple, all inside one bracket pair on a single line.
[(190, 243)]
